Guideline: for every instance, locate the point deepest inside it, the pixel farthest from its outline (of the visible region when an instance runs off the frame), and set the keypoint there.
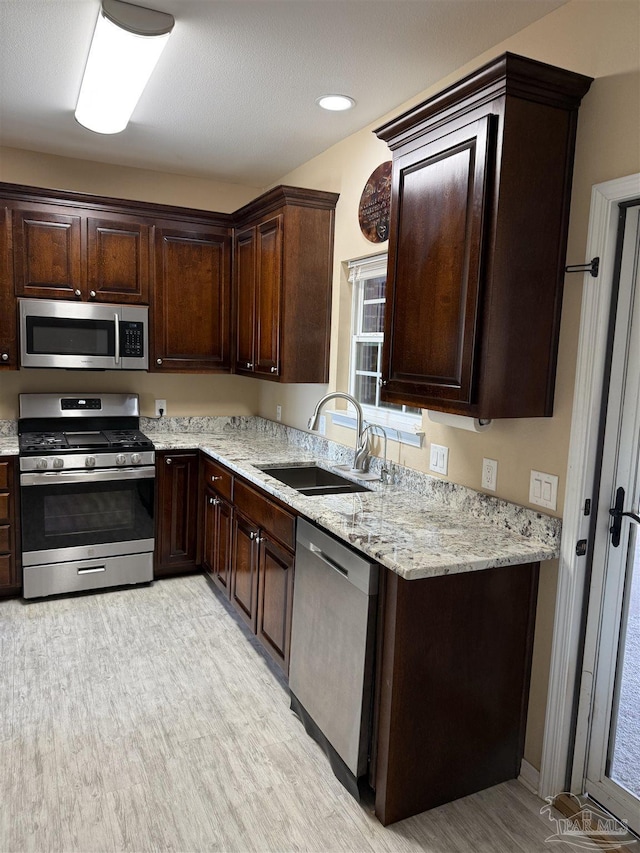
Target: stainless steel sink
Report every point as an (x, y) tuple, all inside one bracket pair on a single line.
[(309, 479)]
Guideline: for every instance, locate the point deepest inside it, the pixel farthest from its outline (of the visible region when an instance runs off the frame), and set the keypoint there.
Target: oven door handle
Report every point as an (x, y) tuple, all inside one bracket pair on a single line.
[(52, 478)]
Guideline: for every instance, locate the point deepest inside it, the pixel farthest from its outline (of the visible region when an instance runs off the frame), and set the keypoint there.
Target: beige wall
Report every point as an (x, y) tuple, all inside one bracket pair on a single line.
[(594, 37), (600, 39), (186, 394), (85, 176)]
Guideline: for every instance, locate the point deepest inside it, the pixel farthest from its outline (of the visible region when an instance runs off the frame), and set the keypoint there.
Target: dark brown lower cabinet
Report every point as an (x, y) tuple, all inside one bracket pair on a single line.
[(244, 575), (262, 569), (275, 599), (10, 565), (217, 539), (176, 512), (452, 686)]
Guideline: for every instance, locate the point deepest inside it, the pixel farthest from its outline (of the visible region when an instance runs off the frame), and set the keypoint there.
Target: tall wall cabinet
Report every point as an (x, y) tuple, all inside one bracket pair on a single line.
[(283, 266), (481, 188)]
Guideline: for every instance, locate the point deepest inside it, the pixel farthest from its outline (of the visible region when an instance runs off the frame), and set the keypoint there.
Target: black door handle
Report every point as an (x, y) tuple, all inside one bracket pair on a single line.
[(616, 512)]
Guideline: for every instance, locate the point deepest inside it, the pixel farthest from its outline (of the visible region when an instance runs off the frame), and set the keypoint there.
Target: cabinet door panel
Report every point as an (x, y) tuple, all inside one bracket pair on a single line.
[(10, 563), (46, 255), (268, 286), (8, 322), (244, 591), (118, 260), (177, 485), (433, 316), (245, 289), (276, 597), (191, 305), (217, 539)]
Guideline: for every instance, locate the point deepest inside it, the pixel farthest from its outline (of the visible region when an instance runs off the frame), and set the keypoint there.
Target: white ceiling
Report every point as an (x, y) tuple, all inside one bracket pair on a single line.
[(233, 96)]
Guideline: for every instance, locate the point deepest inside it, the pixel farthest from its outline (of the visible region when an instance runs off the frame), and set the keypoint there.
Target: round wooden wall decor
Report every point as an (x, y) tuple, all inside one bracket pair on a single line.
[(375, 202)]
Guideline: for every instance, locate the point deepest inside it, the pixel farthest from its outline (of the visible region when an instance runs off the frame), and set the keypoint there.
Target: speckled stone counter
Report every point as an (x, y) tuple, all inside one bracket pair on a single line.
[(8, 438), (419, 526)]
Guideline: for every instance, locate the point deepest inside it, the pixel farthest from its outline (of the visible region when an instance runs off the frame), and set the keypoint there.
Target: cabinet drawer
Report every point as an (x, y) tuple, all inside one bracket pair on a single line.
[(5, 569), (5, 473), (280, 523), (218, 478), (5, 507), (5, 539)]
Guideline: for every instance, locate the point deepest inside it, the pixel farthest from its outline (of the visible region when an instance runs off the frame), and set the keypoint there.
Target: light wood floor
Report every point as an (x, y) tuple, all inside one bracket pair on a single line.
[(143, 720)]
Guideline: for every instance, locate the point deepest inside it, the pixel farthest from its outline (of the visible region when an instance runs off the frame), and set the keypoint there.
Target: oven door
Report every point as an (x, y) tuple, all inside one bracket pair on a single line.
[(86, 514)]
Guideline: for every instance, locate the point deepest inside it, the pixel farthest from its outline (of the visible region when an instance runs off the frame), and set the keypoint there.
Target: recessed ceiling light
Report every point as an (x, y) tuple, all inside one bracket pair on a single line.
[(335, 102)]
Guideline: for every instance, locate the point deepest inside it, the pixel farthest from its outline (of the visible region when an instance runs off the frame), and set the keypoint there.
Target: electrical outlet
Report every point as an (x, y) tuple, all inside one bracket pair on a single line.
[(543, 489), (439, 459), (278, 413), (161, 404), (489, 474), (322, 424)]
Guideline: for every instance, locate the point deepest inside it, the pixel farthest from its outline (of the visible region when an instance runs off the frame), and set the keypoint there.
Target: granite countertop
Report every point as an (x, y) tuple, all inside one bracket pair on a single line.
[(430, 528), (419, 526)]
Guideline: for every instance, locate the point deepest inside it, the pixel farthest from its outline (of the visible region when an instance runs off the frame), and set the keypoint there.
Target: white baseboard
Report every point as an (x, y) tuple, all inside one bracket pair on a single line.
[(529, 777)]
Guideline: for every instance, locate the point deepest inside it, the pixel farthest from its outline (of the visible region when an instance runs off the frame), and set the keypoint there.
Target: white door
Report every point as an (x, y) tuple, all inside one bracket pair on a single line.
[(608, 729)]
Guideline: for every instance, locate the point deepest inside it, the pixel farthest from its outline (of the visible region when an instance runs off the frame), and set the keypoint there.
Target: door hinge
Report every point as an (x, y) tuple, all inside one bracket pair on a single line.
[(581, 547)]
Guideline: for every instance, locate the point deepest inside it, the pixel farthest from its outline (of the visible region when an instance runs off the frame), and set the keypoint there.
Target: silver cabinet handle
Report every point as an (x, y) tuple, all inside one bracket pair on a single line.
[(382, 382), (158, 361), (254, 536), (92, 294), (77, 293), (214, 478), (5, 356), (249, 365), (167, 461), (274, 369)]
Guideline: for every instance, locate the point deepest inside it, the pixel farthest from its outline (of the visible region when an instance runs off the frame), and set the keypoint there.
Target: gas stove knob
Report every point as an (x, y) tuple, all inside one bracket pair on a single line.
[(90, 462), (41, 464), (121, 459), (136, 459), (58, 463)]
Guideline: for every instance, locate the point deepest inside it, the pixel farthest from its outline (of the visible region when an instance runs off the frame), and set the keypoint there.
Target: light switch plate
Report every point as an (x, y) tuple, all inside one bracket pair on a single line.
[(439, 459), (489, 474), (278, 413), (543, 489)]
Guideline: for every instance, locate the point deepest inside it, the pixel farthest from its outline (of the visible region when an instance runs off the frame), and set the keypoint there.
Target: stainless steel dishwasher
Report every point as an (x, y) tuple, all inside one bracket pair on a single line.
[(333, 649)]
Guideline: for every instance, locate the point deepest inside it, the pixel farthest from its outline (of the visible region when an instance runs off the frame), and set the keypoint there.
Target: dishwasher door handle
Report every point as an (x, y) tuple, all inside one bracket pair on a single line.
[(319, 553)]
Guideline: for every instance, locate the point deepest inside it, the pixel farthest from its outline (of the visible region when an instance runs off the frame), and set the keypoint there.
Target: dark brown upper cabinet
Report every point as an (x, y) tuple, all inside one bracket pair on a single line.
[(118, 259), (481, 187), (8, 313), (192, 298), (68, 253), (283, 251)]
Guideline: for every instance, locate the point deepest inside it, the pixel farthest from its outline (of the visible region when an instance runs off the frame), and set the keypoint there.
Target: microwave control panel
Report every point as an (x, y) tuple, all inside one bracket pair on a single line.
[(132, 339)]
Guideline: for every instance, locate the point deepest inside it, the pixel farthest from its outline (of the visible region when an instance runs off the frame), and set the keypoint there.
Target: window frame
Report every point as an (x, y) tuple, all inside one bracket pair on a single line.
[(407, 425)]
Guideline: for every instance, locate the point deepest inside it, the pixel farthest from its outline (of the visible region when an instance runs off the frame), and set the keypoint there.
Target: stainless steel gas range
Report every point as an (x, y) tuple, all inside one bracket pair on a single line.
[(87, 477)]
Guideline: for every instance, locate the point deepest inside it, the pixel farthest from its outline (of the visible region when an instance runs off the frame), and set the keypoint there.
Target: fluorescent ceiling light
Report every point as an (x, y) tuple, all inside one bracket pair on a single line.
[(335, 103), (126, 46)]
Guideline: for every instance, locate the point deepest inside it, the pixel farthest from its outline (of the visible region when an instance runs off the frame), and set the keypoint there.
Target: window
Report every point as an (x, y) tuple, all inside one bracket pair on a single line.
[(369, 279)]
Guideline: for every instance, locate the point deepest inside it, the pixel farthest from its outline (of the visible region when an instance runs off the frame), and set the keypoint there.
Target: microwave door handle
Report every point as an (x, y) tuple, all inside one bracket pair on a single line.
[(116, 318)]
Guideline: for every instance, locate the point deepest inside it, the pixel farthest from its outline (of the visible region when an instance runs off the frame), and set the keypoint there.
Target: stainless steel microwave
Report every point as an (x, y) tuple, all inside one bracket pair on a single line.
[(77, 335)]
